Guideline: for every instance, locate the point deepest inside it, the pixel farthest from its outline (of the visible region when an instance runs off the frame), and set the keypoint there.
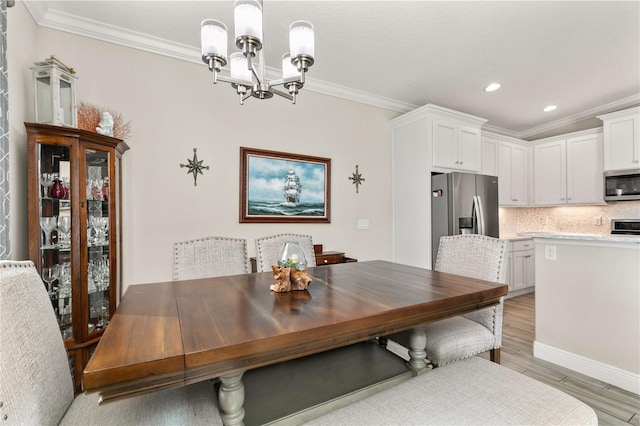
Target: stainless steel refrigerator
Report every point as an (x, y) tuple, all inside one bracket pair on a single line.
[(463, 203)]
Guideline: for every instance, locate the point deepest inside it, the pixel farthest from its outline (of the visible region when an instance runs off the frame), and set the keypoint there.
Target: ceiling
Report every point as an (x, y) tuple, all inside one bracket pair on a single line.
[(582, 56)]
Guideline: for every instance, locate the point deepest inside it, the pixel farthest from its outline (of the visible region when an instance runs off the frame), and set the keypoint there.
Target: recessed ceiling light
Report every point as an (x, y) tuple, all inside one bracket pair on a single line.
[(549, 108), (492, 87)]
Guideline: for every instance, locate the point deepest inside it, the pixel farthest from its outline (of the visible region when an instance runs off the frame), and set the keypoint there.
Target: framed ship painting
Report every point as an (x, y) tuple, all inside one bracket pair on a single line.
[(283, 187)]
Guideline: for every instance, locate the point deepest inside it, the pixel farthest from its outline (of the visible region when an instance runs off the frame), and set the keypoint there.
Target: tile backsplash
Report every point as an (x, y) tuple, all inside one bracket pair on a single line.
[(579, 219)]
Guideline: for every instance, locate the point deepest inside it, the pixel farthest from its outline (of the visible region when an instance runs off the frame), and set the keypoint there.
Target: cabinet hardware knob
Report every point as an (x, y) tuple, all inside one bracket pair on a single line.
[(462, 162), (326, 261), (636, 161)]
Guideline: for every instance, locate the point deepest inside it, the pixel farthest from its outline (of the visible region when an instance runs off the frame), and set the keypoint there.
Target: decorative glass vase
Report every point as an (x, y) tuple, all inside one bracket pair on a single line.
[(292, 255)]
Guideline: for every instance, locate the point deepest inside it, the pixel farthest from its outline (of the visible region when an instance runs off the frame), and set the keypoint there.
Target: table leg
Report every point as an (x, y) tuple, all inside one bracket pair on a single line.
[(231, 399), (417, 343)]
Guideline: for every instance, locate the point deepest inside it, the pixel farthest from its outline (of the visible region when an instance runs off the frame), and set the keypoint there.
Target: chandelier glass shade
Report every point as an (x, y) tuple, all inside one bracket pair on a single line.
[(246, 67)]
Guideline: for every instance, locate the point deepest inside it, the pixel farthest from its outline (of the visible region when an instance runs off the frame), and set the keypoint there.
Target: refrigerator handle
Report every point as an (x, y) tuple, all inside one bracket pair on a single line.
[(477, 201)]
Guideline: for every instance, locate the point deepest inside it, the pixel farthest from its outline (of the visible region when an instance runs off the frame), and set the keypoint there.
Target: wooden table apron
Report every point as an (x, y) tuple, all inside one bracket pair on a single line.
[(170, 334)]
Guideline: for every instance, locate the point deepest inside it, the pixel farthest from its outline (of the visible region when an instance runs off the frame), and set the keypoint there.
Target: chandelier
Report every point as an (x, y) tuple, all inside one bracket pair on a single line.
[(247, 78)]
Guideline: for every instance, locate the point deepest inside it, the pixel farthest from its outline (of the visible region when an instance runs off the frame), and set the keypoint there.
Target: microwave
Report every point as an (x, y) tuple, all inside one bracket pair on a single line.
[(622, 185)]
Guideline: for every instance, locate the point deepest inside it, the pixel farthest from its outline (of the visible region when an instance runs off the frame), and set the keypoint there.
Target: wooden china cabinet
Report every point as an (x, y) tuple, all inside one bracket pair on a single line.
[(74, 186)]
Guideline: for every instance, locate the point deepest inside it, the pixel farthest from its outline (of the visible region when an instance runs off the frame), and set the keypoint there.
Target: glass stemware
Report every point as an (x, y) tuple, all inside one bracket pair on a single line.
[(49, 275), (66, 182), (103, 313), (48, 225), (64, 280), (46, 182), (104, 228), (64, 229)]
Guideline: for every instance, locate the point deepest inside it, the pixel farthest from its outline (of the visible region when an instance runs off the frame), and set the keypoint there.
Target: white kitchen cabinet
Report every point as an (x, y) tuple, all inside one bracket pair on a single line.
[(550, 173), (521, 267), (621, 139), (584, 170), (416, 138), (568, 169), (489, 156), (456, 141), (512, 174)]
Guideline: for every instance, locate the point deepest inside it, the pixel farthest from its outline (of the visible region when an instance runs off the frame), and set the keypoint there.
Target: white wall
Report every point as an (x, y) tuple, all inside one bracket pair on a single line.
[(21, 40), (173, 108)]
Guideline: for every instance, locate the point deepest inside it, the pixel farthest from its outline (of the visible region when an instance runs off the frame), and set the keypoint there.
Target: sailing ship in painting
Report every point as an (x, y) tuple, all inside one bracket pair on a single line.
[(291, 203), (292, 188)]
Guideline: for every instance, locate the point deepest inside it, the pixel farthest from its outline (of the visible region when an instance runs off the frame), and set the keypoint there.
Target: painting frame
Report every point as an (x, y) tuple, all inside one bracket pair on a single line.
[(259, 199)]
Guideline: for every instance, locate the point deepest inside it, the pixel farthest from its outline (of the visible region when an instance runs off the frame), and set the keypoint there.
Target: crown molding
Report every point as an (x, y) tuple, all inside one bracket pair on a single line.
[(56, 20), (49, 18), (590, 113), (500, 131)]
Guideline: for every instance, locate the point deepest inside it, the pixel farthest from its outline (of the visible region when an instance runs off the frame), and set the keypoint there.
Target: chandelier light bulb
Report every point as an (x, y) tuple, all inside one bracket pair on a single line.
[(213, 35), (248, 21), (238, 68), (301, 40), (288, 69)]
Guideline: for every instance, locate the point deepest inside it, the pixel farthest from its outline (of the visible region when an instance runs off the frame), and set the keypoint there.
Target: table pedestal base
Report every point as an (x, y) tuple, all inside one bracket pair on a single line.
[(231, 399), (296, 391)]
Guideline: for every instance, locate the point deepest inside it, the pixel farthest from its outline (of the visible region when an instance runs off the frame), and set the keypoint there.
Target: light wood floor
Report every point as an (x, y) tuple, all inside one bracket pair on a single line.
[(613, 405)]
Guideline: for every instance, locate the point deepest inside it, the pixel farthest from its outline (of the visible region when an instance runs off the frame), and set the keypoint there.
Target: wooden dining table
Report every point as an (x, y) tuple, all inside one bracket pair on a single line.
[(175, 333)]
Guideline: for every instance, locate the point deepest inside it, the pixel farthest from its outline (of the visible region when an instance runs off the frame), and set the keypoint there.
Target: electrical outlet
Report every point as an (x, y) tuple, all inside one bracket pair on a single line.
[(597, 220), (550, 252), (363, 223)]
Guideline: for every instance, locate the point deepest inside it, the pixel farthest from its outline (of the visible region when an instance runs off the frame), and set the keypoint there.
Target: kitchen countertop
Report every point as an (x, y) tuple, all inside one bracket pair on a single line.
[(513, 237), (585, 237)]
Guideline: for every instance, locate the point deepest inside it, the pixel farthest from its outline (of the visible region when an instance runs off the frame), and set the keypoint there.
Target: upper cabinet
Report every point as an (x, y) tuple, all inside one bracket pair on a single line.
[(489, 156), (507, 158), (512, 174), (456, 140), (621, 139), (584, 170), (568, 169)]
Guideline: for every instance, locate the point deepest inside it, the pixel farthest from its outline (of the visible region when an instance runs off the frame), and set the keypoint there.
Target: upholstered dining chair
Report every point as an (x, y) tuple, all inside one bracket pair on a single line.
[(453, 339), (36, 387), (210, 257), (267, 249)]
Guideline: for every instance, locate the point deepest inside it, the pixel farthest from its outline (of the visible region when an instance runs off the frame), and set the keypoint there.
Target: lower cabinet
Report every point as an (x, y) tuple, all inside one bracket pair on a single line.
[(521, 267)]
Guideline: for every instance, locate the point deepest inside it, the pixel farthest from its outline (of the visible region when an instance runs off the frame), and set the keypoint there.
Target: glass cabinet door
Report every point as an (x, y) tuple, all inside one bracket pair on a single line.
[(99, 225), (54, 173)]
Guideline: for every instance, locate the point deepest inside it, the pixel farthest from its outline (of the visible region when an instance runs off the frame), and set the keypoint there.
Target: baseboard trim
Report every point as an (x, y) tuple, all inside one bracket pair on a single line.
[(598, 370)]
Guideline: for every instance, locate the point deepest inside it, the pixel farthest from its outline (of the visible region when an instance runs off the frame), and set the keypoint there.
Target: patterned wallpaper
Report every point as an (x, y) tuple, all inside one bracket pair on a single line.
[(578, 219), (5, 249)]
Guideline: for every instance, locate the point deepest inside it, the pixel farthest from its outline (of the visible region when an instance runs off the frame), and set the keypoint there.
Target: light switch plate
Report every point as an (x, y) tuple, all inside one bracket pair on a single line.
[(363, 223)]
